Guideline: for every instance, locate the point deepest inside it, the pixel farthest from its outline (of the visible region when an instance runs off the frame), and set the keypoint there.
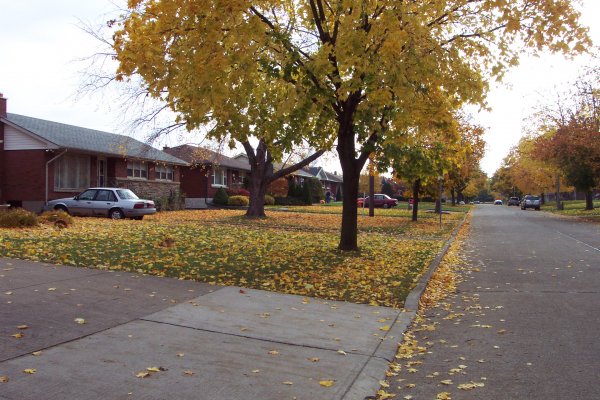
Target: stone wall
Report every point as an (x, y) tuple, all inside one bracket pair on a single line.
[(148, 189)]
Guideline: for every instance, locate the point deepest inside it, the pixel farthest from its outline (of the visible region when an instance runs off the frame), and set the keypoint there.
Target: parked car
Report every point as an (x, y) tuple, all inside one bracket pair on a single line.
[(498, 202), (530, 201), (380, 200), (115, 203), (513, 201)]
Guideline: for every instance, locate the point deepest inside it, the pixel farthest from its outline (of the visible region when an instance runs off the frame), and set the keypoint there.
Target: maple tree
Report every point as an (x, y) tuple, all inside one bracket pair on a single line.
[(570, 142), (360, 71)]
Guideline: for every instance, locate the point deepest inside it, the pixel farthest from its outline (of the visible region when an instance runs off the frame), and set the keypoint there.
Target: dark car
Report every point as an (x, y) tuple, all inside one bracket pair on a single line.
[(115, 203), (380, 200), (530, 201), (513, 201)]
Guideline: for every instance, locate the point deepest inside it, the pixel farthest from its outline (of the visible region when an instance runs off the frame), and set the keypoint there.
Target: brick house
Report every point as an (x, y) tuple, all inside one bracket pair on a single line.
[(42, 160), (207, 171)]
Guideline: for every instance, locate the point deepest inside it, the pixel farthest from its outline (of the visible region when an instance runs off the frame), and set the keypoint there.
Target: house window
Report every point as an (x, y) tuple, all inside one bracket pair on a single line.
[(219, 176), (72, 172), (164, 172), (137, 169)]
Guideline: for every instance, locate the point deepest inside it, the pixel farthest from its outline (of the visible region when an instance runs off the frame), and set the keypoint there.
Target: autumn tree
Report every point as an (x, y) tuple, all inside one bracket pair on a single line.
[(361, 71), (470, 150), (571, 143)]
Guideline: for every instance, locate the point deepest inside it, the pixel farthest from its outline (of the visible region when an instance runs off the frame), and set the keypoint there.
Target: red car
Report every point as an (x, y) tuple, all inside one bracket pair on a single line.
[(381, 200)]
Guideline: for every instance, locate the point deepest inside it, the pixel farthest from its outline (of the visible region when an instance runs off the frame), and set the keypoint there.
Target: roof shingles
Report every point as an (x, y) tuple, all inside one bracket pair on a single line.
[(90, 140)]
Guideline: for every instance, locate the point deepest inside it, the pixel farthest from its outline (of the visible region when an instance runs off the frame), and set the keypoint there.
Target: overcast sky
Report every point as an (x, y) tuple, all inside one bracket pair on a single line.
[(39, 74)]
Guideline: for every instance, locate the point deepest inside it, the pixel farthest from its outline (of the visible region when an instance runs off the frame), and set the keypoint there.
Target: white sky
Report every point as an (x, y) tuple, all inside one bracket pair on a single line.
[(40, 42)]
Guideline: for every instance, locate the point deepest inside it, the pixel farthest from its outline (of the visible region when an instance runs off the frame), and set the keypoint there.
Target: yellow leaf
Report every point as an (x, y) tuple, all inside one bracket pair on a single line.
[(52, 289), (188, 372), (273, 352), (36, 353), (3, 379), (288, 383), (153, 369), (30, 371), (447, 382), (342, 352), (142, 374), (314, 359), (79, 321), (443, 396), (22, 327), (17, 335), (327, 383), (384, 328)]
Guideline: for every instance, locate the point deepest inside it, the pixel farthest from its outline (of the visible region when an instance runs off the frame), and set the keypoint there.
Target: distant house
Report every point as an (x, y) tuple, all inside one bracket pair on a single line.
[(43, 160), (330, 181), (207, 171)]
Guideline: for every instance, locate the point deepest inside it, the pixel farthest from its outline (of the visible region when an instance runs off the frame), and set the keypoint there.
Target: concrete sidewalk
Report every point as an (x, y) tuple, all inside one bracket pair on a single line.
[(206, 342)]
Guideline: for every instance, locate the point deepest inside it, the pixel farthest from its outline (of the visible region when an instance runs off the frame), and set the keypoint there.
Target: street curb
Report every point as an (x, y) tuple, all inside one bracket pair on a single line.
[(366, 383)]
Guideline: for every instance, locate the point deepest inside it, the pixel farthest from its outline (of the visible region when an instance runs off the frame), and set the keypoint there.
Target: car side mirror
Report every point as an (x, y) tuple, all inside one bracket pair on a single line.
[(76, 198)]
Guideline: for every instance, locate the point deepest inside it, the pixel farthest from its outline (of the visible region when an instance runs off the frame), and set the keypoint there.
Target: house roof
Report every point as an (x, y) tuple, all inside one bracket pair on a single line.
[(89, 140), (323, 175), (200, 155)]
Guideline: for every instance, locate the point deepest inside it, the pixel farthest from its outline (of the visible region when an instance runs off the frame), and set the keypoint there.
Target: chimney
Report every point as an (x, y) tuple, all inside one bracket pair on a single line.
[(2, 106)]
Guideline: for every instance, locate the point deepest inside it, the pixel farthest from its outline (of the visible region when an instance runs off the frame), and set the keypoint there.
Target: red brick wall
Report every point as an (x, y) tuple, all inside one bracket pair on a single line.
[(194, 181), (25, 176)]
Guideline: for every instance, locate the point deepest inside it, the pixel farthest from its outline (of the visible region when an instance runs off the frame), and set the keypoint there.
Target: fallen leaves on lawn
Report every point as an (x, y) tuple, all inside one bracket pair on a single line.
[(287, 252)]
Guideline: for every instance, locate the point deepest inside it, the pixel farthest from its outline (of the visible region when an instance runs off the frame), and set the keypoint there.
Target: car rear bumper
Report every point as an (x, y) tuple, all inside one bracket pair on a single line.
[(139, 212)]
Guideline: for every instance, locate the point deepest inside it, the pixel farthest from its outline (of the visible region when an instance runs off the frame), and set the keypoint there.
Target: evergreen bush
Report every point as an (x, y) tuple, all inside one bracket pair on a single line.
[(17, 218), (238, 201), (221, 198)]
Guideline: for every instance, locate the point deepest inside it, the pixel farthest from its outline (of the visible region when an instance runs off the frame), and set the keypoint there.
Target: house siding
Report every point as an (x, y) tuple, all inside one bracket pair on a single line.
[(14, 139)]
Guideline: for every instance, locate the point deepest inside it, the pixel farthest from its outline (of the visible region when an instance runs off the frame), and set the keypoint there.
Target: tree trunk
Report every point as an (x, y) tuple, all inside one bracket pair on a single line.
[(371, 196), (543, 198), (349, 232), (453, 197), (261, 171), (262, 174), (558, 202), (589, 200), (416, 190)]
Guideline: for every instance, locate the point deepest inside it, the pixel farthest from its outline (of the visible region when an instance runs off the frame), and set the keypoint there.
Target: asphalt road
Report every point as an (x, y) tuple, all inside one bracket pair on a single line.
[(525, 322)]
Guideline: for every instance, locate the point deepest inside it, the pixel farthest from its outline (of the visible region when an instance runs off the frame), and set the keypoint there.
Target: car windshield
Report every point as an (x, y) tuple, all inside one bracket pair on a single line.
[(533, 197), (126, 194)]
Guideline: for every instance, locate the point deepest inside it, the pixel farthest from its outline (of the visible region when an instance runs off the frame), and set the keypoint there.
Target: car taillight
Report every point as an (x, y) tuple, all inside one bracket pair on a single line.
[(138, 205), (150, 204)]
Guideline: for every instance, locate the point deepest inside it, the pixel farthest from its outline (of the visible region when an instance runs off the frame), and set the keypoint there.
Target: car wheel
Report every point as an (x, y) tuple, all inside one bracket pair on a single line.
[(61, 208), (116, 213), (141, 217), (537, 209)]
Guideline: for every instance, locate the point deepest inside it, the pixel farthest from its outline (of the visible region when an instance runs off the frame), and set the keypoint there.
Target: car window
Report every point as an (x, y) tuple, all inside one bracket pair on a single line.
[(126, 194), (534, 197), (87, 195), (105, 195)]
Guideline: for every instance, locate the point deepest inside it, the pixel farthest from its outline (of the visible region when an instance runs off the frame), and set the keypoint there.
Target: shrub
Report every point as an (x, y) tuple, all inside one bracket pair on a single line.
[(269, 200), (316, 190), (17, 218), (58, 218), (238, 201), (221, 197), (279, 187), (291, 189), (174, 201), (306, 193), (238, 192)]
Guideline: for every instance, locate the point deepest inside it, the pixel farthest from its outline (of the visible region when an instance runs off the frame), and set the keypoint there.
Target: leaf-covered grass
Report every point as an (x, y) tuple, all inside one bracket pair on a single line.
[(575, 208), (289, 252)]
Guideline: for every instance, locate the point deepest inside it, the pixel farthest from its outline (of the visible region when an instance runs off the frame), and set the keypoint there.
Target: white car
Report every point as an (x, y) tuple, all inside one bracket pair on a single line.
[(115, 203), (498, 202)]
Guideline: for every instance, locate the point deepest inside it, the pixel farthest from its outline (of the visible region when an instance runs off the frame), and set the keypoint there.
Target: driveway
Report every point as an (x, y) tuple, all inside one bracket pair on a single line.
[(524, 323)]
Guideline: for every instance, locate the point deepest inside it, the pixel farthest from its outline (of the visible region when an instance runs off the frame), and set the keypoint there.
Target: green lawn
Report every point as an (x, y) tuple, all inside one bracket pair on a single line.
[(575, 208), (289, 252)]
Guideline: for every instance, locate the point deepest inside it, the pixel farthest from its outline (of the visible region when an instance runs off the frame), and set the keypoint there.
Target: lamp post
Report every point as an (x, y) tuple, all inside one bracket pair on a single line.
[(440, 181)]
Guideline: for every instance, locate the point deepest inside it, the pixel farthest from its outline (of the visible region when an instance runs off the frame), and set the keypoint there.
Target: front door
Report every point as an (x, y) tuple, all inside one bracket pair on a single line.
[(101, 172)]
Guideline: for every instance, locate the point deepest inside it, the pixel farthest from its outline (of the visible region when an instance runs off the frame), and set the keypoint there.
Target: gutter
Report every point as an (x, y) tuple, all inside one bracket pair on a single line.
[(47, 164)]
